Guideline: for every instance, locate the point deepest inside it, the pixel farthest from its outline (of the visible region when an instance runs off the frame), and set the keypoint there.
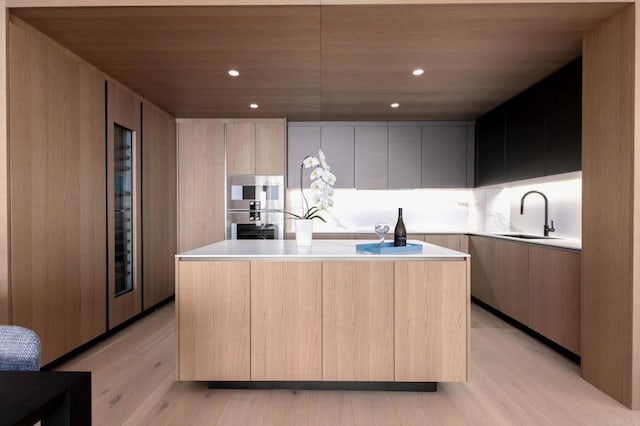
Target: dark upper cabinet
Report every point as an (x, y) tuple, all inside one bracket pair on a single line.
[(525, 134), (564, 120), (490, 154), (537, 133)]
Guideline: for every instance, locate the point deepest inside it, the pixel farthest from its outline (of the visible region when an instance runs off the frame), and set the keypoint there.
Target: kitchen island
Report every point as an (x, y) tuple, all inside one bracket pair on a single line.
[(271, 314)]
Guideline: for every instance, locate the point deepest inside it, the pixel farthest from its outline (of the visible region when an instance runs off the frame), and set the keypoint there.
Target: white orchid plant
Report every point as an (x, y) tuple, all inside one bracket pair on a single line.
[(322, 181)]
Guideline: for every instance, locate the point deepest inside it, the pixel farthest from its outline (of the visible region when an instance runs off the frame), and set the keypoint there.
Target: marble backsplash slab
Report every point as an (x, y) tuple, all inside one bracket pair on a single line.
[(490, 209)]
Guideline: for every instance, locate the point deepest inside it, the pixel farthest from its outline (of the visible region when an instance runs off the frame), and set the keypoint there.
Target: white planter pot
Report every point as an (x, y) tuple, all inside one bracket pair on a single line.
[(304, 231)]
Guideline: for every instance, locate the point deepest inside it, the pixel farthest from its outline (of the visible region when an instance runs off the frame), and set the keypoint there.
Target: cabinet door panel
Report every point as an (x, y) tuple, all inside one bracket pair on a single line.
[(444, 156), (159, 201), (371, 157), (201, 213), (213, 328), (564, 119), (301, 141), (525, 130), (286, 315), (405, 157), (431, 321), (512, 279), (449, 241), (490, 146), (554, 295), (241, 148), (270, 147), (338, 146), (357, 321), (483, 282)]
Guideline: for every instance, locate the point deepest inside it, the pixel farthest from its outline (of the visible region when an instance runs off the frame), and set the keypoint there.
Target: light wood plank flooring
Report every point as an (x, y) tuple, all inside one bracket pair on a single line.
[(514, 380)]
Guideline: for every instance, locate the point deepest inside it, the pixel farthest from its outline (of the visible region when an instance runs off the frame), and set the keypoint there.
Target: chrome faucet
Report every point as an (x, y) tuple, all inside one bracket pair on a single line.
[(547, 228)]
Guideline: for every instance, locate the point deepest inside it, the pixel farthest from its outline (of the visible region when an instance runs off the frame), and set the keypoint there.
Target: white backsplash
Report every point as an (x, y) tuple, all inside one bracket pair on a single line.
[(494, 209)]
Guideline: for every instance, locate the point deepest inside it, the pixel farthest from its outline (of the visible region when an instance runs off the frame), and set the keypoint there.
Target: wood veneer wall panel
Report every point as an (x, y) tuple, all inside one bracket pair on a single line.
[(213, 331), (159, 204), (201, 174), (608, 197), (5, 292), (57, 194), (357, 321), (635, 366)]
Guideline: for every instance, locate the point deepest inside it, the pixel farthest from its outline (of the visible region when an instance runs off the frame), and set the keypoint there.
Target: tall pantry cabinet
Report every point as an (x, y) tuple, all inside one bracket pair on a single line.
[(75, 138), (57, 194)]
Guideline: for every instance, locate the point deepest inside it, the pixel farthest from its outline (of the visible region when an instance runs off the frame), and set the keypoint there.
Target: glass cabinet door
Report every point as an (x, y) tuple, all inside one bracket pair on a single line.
[(123, 209)]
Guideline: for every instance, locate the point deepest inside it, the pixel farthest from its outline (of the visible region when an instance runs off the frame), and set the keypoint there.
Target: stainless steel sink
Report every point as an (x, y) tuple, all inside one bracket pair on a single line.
[(528, 236)]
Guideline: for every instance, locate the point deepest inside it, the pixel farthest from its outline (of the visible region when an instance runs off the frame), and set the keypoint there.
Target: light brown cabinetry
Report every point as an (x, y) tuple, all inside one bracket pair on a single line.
[(158, 204), (500, 275), (62, 185), (241, 148), (512, 279), (538, 286), (357, 321), (256, 147), (431, 321), (336, 321), (554, 295), (452, 241), (201, 214), (57, 209), (286, 321), (224, 288), (271, 147)]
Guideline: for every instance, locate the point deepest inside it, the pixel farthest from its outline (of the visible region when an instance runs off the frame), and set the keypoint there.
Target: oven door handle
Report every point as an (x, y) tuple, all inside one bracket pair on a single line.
[(234, 231)]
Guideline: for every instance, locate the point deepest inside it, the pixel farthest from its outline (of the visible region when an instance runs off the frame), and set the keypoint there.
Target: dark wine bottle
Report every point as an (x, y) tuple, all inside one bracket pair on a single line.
[(400, 233)]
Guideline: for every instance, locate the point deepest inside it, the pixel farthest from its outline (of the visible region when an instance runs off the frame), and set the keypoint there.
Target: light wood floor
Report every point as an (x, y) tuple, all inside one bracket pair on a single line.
[(514, 380)]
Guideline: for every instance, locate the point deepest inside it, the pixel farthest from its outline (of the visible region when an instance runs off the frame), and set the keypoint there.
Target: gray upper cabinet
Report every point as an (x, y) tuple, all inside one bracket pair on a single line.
[(386, 155), (371, 154), (405, 157), (337, 143), (302, 141), (444, 156)]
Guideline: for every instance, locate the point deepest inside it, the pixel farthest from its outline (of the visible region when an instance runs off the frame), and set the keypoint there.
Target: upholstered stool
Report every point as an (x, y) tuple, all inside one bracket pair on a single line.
[(19, 349)]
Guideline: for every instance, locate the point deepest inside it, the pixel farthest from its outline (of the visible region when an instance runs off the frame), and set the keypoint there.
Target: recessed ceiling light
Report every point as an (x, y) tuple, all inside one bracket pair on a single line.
[(395, 105), (254, 106), (234, 73), (418, 71)]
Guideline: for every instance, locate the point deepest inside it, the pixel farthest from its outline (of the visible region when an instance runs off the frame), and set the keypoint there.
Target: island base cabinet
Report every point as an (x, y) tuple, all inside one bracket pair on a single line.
[(286, 315), (213, 320), (431, 321), (357, 321)]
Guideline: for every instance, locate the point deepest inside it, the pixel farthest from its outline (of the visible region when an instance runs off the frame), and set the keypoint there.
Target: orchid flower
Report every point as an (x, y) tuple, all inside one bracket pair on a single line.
[(321, 185)]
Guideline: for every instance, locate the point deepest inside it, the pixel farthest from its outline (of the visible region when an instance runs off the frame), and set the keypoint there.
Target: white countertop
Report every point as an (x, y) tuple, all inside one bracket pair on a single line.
[(564, 243), (319, 250)]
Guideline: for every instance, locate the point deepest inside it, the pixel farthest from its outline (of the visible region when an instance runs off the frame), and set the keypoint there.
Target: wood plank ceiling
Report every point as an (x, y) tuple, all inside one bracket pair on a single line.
[(326, 62)]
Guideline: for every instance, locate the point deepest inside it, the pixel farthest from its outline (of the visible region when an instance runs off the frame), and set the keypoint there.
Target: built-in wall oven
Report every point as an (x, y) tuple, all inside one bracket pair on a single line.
[(255, 206)]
